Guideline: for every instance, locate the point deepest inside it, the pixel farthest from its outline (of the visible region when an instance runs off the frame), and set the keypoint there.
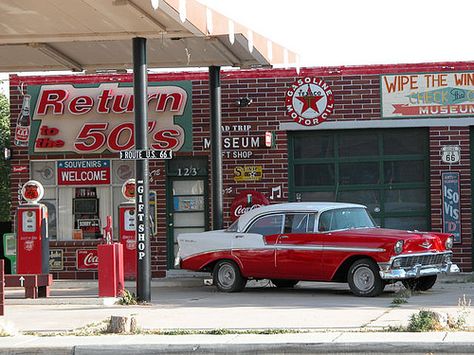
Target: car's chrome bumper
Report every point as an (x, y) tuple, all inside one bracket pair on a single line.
[(418, 271), (177, 262)]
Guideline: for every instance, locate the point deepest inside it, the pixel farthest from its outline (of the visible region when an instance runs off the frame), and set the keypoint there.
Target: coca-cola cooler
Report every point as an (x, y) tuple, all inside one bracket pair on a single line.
[(127, 230), (32, 231)]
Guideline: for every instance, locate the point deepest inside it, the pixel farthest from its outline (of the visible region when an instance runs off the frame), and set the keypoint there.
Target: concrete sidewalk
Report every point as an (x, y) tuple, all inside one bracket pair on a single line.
[(333, 319)]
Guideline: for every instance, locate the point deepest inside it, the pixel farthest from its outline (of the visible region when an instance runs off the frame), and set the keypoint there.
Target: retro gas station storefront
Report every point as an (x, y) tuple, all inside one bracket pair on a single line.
[(407, 171)]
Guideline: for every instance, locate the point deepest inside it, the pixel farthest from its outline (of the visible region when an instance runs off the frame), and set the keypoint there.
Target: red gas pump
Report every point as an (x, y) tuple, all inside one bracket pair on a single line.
[(127, 231), (32, 231)]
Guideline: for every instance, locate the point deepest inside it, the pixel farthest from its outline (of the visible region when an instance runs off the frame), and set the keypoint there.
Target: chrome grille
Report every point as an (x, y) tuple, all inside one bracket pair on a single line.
[(422, 259)]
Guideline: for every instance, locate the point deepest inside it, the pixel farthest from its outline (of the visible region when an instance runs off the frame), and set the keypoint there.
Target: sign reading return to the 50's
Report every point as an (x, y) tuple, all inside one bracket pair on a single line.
[(451, 204), (91, 120), (427, 95)]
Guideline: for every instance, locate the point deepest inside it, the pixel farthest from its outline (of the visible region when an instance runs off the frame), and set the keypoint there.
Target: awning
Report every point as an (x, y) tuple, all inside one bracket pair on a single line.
[(96, 35)]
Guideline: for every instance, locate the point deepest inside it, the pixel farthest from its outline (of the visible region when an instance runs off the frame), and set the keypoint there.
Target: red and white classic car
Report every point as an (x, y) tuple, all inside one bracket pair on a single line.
[(337, 242)]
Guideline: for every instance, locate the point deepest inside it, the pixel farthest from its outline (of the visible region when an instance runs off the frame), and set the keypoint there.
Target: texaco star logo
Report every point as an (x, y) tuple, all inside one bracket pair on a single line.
[(309, 101)]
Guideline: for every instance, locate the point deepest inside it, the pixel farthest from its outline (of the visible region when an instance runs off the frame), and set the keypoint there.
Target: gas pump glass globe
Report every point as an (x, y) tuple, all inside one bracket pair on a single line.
[(32, 191)]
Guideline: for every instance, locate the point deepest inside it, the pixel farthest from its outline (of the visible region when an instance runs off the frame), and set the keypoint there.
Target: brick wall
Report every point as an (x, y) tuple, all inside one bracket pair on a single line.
[(441, 136)]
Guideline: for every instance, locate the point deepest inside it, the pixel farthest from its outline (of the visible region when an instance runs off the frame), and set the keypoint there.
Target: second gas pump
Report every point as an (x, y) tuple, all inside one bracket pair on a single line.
[(127, 230)]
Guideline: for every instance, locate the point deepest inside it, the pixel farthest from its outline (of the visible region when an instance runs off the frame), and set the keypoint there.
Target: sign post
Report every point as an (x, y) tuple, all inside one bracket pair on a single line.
[(140, 84)]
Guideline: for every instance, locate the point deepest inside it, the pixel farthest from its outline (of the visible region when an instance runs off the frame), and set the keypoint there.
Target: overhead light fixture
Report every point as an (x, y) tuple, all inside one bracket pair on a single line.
[(155, 4), (7, 153), (244, 101)]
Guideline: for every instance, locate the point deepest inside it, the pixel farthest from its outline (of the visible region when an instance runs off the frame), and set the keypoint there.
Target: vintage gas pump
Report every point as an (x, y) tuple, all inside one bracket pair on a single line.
[(32, 231), (127, 231)]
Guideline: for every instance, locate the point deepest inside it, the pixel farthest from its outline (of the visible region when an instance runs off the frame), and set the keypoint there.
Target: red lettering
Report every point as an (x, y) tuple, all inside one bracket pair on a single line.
[(54, 99), (116, 137), (118, 105), (176, 102), (80, 105), (92, 137), (166, 139), (103, 104)]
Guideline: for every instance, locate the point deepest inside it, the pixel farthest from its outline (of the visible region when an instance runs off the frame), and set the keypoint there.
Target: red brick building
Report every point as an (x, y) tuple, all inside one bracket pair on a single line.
[(394, 138)]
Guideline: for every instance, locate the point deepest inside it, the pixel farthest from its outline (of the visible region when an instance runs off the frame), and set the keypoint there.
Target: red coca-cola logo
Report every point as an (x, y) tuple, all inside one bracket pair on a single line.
[(87, 259), (240, 210), (246, 201)]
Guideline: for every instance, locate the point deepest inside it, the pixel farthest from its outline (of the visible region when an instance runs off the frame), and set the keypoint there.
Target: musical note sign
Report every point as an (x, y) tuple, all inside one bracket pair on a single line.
[(276, 190)]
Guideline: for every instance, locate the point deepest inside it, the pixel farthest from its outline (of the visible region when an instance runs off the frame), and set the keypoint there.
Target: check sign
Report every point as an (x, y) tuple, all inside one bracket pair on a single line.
[(146, 154)]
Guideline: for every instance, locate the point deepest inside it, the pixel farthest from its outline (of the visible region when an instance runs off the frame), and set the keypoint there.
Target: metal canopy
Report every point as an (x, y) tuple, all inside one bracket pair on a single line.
[(96, 35)]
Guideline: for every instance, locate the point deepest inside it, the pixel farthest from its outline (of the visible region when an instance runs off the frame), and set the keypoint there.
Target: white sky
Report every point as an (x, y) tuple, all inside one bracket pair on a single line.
[(354, 32), (351, 32)]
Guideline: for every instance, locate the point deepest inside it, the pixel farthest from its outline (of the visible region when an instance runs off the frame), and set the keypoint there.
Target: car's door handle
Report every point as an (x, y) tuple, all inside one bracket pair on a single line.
[(239, 236), (284, 237)]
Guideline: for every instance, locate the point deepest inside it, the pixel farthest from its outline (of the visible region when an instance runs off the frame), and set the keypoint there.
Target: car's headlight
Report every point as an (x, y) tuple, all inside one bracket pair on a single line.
[(398, 247), (449, 243)]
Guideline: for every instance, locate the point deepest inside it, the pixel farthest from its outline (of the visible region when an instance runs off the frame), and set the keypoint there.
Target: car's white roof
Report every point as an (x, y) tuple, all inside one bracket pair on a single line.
[(293, 207)]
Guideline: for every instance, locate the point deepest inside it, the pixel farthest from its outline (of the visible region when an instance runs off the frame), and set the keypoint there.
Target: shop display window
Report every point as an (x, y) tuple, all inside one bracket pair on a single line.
[(79, 212)]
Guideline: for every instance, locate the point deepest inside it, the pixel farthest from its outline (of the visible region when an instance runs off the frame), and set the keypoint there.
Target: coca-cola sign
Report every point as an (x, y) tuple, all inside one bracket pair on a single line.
[(247, 201), (87, 259)]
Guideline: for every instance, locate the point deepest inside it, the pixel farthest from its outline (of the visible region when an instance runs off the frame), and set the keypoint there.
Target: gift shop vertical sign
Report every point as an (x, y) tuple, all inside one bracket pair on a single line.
[(451, 204)]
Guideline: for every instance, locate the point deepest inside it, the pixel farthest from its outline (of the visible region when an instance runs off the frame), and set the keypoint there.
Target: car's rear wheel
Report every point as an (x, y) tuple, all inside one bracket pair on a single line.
[(364, 279), (227, 277), (423, 283), (284, 283)]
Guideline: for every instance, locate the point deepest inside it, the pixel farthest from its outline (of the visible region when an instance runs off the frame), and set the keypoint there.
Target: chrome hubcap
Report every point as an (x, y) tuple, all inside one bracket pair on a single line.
[(364, 278), (226, 275)]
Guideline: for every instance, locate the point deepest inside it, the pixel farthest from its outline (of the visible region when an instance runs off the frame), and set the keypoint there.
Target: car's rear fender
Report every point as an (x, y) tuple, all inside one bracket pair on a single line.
[(207, 261), (340, 275)]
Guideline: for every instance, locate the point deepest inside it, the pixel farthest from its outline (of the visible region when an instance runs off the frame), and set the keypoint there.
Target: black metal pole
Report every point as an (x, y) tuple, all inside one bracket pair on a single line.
[(216, 147), (140, 84)]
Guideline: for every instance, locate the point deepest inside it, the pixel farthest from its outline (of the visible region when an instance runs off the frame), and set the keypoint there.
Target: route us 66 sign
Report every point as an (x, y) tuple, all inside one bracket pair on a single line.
[(450, 154)]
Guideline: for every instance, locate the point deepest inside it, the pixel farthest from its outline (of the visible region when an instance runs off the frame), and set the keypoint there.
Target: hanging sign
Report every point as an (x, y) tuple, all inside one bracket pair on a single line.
[(83, 172), (87, 259), (247, 201), (309, 101), (91, 120), (451, 204), (56, 259), (248, 173), (450, 154), (427, 95)]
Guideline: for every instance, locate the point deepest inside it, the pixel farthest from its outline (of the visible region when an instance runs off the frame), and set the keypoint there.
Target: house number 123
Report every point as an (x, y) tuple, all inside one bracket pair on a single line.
[(187, 171)]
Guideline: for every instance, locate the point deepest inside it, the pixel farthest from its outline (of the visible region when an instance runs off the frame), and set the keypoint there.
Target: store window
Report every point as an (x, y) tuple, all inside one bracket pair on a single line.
[(386, 170), (80, 194)]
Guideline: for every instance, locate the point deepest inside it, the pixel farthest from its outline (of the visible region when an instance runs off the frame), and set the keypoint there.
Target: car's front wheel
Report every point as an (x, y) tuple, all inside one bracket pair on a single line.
[(364, 279), (284, 283), (227, 277), (423, 283)]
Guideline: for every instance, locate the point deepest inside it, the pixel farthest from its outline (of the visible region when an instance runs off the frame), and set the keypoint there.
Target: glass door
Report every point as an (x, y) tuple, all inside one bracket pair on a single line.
[(187, 212)]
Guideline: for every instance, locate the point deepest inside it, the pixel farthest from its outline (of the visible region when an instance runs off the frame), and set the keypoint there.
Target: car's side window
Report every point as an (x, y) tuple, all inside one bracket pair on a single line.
[(267, 225), (326, 221), (299, 223)]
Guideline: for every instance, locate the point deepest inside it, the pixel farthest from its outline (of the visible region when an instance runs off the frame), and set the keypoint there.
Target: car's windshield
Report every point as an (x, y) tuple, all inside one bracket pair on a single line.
[(345, 218)]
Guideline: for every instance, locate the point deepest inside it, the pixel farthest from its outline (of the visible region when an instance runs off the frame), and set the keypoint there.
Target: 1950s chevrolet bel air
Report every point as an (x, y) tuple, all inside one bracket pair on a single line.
[(339, 242)]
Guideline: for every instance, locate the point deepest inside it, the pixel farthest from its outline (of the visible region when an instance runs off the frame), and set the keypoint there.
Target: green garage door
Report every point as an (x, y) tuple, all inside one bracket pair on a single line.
[(386, 170)]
